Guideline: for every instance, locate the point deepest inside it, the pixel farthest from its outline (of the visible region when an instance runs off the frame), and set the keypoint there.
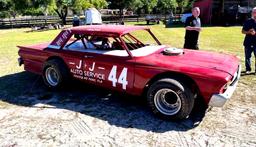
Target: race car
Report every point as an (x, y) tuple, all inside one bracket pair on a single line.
[(131, 60)]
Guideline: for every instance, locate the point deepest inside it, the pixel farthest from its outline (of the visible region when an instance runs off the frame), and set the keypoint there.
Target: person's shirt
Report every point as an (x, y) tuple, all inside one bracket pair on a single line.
[(249, 40), (76, 21), (192, 22)]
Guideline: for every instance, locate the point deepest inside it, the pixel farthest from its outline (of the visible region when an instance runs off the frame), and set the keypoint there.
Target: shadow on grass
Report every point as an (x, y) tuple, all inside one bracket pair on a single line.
[(144, 24), (26, 89), (243, 73)]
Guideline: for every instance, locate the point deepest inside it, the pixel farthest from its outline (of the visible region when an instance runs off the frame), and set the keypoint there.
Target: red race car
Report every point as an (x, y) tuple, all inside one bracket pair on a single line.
[(130, 59)]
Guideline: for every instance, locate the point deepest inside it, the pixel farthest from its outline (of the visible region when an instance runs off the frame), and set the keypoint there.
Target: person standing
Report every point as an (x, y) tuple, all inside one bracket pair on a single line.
[(249, 28), (76, 21), (193, 28)]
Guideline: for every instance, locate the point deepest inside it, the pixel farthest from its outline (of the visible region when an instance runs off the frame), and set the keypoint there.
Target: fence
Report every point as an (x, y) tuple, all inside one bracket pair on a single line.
[(52, 20)]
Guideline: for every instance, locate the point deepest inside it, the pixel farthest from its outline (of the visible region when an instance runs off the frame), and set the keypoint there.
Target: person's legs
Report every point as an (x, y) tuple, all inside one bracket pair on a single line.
[(254, 51), (186, 44), (248, 54), (196, 47), (191, 45)]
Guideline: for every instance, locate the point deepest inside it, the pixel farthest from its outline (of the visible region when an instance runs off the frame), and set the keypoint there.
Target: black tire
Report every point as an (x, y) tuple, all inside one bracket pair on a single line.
[(61, 71), (158, 22), (170, 99)]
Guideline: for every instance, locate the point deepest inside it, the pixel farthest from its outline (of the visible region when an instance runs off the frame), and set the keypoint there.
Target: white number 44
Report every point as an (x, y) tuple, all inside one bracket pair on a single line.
[(122, 78)]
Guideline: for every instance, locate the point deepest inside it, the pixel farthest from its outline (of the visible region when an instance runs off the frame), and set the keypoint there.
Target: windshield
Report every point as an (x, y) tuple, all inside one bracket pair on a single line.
[(139, 39)]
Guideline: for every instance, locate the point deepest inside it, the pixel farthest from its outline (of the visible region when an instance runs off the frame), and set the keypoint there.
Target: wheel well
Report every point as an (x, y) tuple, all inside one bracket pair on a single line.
[(178, 76), (56, 58)]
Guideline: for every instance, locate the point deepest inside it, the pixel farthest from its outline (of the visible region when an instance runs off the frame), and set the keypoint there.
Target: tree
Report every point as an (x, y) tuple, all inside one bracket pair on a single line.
[(62, 6), (149, 5), (4, 7), (12, 8), (25, 7), (184, 5), (79, 5), (46, 6), (120, 4), (99, 4), (166, 5), (137, 6)]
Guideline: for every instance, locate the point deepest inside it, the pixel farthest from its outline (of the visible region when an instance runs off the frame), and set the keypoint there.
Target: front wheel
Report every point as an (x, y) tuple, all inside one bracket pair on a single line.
[(170, 99)]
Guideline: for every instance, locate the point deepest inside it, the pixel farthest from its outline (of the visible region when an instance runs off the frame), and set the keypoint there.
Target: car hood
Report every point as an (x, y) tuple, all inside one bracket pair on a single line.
[(200, 59)]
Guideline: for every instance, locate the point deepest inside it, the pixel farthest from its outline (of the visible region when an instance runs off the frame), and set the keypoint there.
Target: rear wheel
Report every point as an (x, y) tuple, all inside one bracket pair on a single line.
[(170, 99), (55, 74)]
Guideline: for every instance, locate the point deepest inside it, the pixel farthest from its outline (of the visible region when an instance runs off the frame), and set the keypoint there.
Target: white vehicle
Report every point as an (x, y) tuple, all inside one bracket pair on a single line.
[(92, 16)]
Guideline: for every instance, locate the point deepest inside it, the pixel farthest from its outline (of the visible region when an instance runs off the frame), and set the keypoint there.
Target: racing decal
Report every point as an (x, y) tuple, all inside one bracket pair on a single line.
[(122, 78), (89, 74), (92, 68), (93, 76), (61, 39), (80, 65)]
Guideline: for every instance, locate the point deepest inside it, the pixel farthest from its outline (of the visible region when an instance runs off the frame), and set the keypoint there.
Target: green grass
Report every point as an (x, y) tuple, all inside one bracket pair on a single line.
[(217, 39), (10, 39)]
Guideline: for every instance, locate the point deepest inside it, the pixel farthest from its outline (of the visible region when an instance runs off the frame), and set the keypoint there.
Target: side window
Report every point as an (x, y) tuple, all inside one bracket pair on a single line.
[(96, 44), (106, 43), (77, 43)]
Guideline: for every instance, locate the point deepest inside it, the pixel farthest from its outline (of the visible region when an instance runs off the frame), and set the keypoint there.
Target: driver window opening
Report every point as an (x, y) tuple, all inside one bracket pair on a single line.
[(96, 44)]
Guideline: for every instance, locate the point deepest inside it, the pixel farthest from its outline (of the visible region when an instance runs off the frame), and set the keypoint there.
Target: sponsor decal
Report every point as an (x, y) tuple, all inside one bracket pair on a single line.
[(89, 74)]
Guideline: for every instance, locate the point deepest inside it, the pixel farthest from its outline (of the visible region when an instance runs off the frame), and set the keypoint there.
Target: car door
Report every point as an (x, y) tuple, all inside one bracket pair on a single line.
[(109, 71), (74, 61)]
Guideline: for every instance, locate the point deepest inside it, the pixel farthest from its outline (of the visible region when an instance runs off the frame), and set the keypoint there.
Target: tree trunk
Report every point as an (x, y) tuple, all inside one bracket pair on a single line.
[(65, 15), (62, 15), (120, 15), (64, 21)]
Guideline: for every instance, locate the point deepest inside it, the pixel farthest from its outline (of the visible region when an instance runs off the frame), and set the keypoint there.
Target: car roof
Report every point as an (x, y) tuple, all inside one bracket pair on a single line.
[(109, 29)]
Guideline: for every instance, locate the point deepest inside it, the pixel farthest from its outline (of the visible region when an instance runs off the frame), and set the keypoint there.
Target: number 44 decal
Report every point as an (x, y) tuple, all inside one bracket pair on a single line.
[(122, 78)]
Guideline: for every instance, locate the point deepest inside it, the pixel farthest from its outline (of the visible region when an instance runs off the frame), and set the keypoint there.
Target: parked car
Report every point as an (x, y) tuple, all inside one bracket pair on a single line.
[(116, 58), (153, 19), (185, 16)]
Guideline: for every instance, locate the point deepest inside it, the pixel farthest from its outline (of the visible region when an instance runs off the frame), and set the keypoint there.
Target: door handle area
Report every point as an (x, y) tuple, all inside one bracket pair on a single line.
[(86, 56)]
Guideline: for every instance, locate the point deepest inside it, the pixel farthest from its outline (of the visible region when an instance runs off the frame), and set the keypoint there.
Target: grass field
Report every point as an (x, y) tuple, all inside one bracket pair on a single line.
[(232, 125)]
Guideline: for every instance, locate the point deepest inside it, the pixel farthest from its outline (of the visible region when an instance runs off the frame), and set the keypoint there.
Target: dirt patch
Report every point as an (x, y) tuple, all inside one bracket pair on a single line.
[(90, 116)]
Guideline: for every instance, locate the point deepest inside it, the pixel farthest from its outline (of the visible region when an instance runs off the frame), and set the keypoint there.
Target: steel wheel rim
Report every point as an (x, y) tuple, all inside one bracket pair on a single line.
[(167, 101), (52, 76)]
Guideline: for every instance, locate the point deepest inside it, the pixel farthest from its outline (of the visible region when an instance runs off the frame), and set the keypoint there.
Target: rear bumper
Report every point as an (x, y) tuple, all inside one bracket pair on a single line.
[(20, 61), (218, 100)]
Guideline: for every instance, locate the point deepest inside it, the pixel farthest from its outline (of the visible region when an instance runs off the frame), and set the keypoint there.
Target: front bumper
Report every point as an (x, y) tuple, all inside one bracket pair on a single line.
[(218, 100)]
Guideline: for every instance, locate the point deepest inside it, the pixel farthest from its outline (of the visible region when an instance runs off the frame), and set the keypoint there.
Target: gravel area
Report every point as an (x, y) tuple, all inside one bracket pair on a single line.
[(88, 116)]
